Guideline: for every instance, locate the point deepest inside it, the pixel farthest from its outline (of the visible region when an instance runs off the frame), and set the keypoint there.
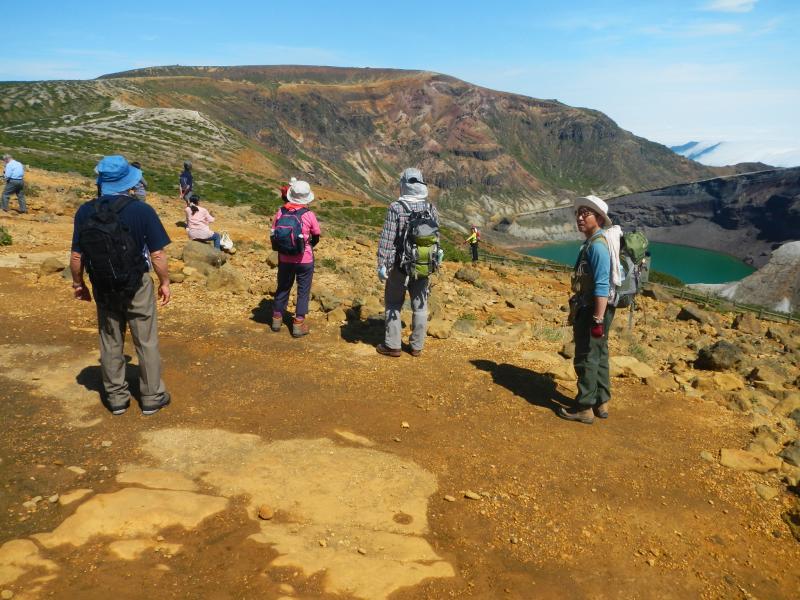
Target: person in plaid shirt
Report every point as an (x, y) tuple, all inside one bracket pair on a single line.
[(414, 193)]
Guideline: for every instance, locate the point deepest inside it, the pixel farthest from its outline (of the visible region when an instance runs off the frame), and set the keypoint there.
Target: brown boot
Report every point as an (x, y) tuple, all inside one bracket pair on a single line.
[(299, 328), (381, 349), (601, 410), (581, 415)]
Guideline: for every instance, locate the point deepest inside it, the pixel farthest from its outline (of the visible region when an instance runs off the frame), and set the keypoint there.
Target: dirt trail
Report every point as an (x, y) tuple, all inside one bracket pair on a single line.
[(362, 463)]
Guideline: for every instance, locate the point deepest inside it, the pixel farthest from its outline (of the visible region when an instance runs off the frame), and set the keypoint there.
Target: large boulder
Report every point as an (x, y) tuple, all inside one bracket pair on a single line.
[(791, 453), (692, 313), (658, 293), (51, 265), (439, 328), (202, 256), (720, 356), (467, 275), (226, 279)]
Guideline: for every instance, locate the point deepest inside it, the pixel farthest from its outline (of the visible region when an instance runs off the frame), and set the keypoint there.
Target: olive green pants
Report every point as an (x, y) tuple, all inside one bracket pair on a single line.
[(591, 358)]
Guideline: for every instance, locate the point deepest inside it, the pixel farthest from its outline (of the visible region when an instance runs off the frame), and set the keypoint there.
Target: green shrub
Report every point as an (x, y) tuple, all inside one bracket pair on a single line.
[(328, 263), (665, 279), (5, 237)]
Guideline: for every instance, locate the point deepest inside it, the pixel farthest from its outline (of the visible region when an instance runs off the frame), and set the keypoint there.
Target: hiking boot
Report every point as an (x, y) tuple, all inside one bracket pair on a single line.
[(580, 415), (299, 328), (381, 349), (414, 353), (601, 410), (119, 410), (151, 410), (276, 324)]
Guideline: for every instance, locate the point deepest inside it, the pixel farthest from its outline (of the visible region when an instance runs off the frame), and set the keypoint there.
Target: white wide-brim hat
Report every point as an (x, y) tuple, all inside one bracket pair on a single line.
[(596, 204), (300, 193)]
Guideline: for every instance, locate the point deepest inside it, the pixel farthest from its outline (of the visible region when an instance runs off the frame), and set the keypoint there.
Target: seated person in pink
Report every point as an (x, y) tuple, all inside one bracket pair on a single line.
[(198, 220), (295, 232)]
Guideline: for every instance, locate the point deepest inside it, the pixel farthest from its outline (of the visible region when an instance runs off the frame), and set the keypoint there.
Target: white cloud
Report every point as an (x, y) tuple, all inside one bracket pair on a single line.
[(692, 30), (735, 6)]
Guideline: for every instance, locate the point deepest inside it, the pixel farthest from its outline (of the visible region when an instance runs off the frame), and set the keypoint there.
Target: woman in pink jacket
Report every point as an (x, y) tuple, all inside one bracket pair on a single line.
[(198, 220)]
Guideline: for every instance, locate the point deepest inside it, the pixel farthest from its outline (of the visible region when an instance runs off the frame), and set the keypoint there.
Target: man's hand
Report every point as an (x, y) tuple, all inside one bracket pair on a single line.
[(382, 275), (597, 330), (82, 293), (164, 293)]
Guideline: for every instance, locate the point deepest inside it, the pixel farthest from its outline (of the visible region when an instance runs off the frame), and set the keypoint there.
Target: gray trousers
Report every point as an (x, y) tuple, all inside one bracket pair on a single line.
[(393, 298), (15, 186), (140, 316)]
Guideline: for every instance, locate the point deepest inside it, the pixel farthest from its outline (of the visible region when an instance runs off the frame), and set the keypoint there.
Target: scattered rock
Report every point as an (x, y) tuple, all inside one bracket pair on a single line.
[(540, 356), (106, 443), (628, 366), (472, 495), (449, 498), (176, 277), (563, 371), (272, 260), (465, 326), (405, 425), (77, 470), (328, 302), (707, 456), (226, 279), (790, 403), (513, 539), (742, 460), (323, 543), (6, 594), (51, 265), (440, 329), (658, 293), (720, 356), (362, 551), (53, 499), (747, 323), (467, 275), (662, 382), (568, 350), (265, 512), (692, 313), (722, 382), (792, 519), (337, 315), (791, 453), (766, 492), (73, 496)]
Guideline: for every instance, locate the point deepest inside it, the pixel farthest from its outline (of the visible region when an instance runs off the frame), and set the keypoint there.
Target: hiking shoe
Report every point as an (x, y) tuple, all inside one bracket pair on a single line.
[(381, 349), (299, 328), (151, 410), (119, 410), (276, 325), (576, 414), (415, 353), (601, 410)]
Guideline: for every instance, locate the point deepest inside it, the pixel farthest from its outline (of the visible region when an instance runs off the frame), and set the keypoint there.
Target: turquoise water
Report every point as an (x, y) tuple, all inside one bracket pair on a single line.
[(690, 265)]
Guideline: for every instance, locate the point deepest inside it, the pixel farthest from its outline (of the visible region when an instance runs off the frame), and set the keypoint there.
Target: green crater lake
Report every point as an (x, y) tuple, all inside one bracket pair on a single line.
[(690, 265)]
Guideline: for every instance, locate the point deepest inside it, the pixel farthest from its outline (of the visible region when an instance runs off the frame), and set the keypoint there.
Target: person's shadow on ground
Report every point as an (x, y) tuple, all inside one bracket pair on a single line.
[(263, 313), (535, 388), (369, 332), (92, 379)]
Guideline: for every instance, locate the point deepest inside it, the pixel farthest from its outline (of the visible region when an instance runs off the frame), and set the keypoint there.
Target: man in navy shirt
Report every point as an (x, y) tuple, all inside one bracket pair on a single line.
[(185, 182), (116, 177)]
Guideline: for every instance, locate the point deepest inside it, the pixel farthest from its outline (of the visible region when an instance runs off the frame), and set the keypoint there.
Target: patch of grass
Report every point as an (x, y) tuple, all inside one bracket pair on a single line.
[(665, 279), (549, 334), (468, 317), (638, 352), (328, 263), (5, 237)]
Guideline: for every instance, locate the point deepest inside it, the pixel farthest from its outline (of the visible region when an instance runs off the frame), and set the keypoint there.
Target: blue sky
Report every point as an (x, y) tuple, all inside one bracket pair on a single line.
[(669, 71)]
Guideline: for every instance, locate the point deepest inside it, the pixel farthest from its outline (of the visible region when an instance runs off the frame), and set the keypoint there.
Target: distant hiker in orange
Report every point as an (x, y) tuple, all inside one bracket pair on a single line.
[(472, 240), (295, 232)]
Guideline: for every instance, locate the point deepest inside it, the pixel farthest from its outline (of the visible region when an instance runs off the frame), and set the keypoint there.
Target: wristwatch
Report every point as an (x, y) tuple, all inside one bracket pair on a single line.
[(597, 320), (76, 286)]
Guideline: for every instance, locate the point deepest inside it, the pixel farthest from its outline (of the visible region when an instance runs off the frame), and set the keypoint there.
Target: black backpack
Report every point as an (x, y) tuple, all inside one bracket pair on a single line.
[(111, 256)]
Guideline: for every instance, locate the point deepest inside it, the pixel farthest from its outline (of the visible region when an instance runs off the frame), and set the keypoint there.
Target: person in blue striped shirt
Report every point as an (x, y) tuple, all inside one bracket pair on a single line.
[(14, 174)]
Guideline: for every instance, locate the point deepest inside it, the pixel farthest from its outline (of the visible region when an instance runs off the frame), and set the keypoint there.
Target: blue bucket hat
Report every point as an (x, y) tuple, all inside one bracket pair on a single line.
[(115, 175)]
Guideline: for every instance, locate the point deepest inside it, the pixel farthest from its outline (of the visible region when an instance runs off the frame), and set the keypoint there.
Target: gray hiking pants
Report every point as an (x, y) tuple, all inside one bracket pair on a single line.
[(393, 298), (140, 316), (17, 187)]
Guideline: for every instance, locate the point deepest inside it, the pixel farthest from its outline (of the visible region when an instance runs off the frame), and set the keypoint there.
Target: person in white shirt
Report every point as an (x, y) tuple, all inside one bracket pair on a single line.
[(13, 174)]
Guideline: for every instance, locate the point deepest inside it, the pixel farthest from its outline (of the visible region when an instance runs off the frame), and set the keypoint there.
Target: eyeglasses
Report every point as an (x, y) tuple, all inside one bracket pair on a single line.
[(583, 213), (415, 180)]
